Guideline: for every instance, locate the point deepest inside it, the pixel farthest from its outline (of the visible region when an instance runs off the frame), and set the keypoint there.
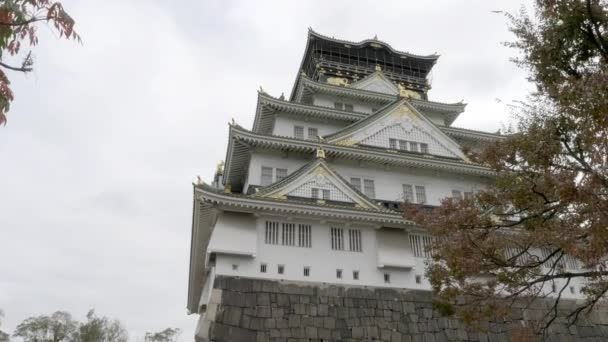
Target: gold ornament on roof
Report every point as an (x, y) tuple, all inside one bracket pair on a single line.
[(378, 68), (320, 153), (220, 167)]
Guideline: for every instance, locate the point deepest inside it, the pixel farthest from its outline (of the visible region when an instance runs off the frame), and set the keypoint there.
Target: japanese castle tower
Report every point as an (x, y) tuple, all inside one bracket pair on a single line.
[(311, 193)]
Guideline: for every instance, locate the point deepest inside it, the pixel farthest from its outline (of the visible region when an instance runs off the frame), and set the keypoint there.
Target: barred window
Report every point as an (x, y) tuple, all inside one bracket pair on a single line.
[(424, 148), (298, 132), (413, 146), (392, 143), (387, 278), (314, 193), (326, 194), (288, 234), (280, 269), (348, 107), (304, 235), (408, 193), (468, 195), (307, 271), (456, 194), (272, 233), (266, 175), (263, 268), (418, 279), (420, 244), (337, 238), (339, 274), (356, 275), (369, 188), (403, 145), (338, 105), (313, 133), (280, 174), (354, 240), (420, 194), (356, 182)]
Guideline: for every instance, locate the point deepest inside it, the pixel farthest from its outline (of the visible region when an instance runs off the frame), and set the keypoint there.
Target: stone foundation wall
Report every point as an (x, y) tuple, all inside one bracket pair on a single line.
[(243, 309)]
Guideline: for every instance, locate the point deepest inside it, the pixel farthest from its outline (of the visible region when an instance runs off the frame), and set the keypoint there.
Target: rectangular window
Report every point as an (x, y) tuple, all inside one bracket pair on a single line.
[(387, 278), (338, 105), (304, 235), (468, 195), (356, 275), (326, 195), (235, 267), (368, 188), (354, 240), (456, 194), (424, 148), (307, 271), (392, 143), (313, 133), (408, 193), (420, 245), (348, 107), (298, 132), (263, 268), (314, 193), (272, 233), (281, 269), (420, 194), (356, 183), (280, 174), (418, 279), (572, 290), (266, 175), (339, 274), (413, 146), (289, 234), (337, 238), (403, 145)]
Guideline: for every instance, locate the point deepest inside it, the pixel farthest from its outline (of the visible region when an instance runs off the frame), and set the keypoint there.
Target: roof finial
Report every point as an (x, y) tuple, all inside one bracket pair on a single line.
[(282, 97), (375, 37), (262, 90), (232, 122), (320, 153), (378, 68), (220, 167)]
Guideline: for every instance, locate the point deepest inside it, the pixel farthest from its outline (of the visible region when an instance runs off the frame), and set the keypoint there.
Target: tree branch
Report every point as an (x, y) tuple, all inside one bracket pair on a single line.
[(21, 69)]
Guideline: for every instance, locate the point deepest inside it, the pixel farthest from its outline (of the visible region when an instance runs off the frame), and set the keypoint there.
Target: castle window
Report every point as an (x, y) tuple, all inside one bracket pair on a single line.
[(413, 146), (356, 275), (313, 133), (420, 244), (420, 194), (307, 271), (298, 132), (356, 182), (266, 176), (289, 234), (314, 193), (263, 268), (338, 105), (468, 195), (337, 238), (424, 148), (572, 290), (403, 145), (281, 269), (339, 274), (354, 239), (408, 193), (368, 188), (418, 279), (456, 194), (392, 143), (272, 233), (348, 107), (280, 174), (387, 278), (235, 267), (304, 235), (326, 194)]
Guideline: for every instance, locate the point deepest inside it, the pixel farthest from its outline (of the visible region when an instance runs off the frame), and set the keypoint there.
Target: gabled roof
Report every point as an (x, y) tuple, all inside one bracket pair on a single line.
[(306, 87), (377, 82), (400, 113), (319, 174)]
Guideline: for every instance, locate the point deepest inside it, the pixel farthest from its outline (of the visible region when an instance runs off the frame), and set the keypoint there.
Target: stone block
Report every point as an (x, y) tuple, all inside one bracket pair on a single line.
[(263, 299), (357, 332), (294, 321), (324, 334), (311, 332)]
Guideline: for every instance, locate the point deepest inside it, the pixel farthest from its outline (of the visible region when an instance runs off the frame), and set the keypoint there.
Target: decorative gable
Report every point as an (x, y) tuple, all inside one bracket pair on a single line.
[(377, 82), (317, 180), (399, 126)]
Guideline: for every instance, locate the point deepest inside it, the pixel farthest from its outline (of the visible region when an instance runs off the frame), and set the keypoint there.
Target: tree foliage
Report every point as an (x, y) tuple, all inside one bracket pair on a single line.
[(58, 327), (19, 20), (4, 337), (548, 204), (167, 335), (101, 329)]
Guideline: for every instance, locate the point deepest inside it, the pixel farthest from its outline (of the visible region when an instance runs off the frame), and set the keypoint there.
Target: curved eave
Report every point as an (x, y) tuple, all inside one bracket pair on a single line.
[(268, 105), (471, 134), (429, 58), (244, 203), (237, 163)]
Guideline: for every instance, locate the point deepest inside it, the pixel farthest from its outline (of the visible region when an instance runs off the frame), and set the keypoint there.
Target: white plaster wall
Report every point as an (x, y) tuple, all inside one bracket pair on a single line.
[(388, 182), (283, 126), (323, 100), (322, 260)]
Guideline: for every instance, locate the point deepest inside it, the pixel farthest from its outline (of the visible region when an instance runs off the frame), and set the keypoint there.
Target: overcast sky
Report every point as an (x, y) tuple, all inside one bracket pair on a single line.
[(105, 138)]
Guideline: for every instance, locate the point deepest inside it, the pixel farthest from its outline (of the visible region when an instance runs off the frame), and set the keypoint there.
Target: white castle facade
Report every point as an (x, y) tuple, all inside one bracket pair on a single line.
[(312, 192)]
